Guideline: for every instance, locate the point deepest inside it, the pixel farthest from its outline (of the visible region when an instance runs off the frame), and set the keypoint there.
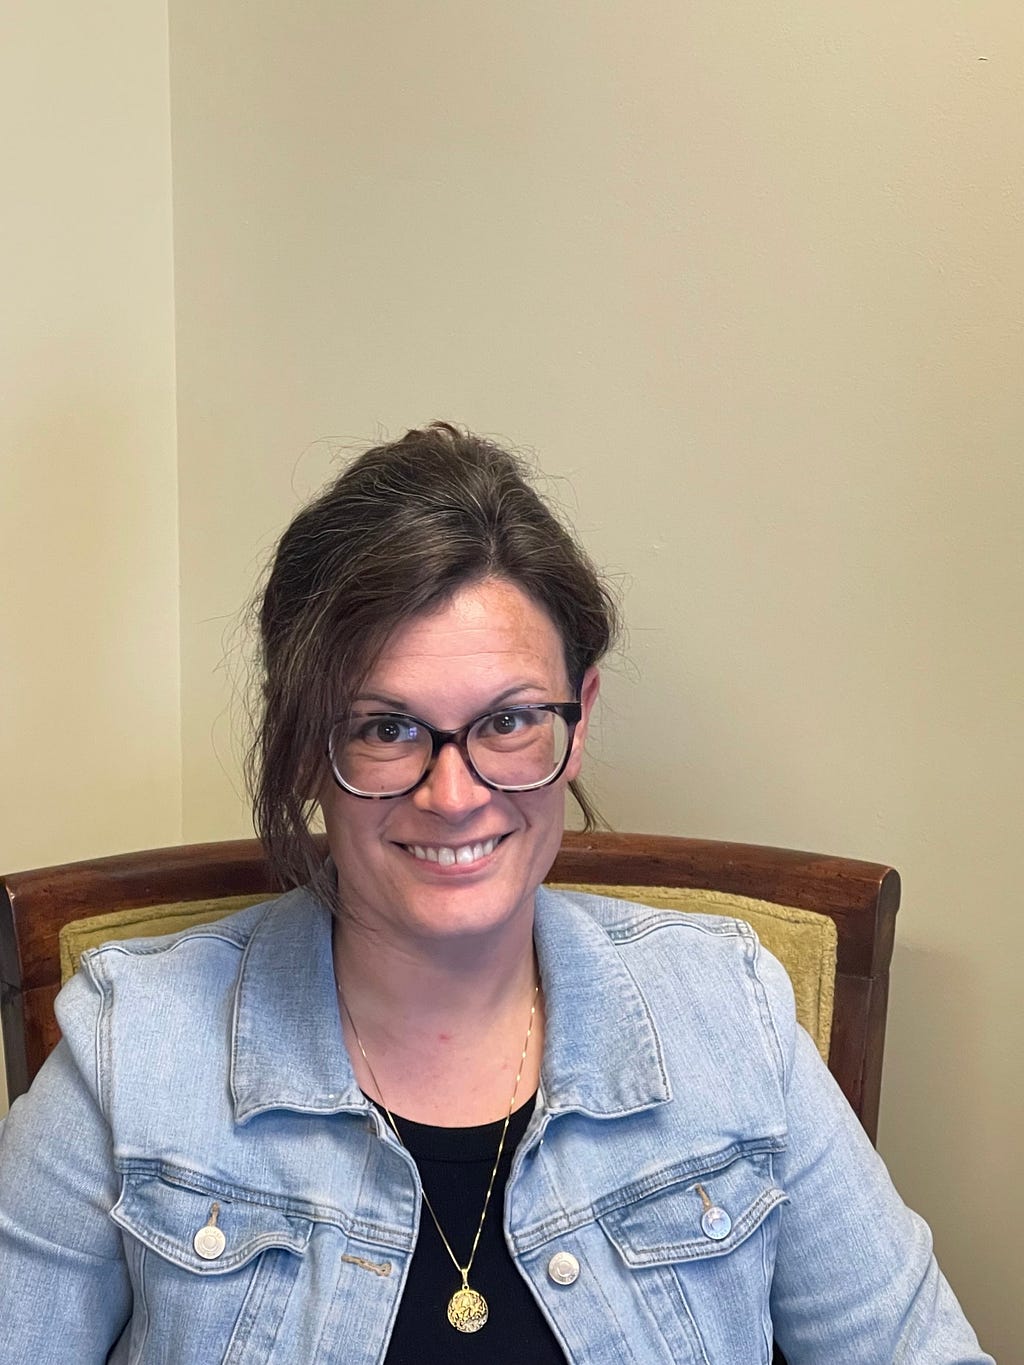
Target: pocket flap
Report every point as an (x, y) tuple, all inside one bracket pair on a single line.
[(166, 1217), (670, 1225)]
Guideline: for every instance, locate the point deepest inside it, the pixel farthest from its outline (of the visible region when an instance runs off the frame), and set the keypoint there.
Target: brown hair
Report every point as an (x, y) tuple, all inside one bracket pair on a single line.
[(396, 535)]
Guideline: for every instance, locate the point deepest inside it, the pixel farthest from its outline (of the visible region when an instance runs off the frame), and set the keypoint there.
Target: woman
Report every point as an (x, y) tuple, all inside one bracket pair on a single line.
[(419, 1108)]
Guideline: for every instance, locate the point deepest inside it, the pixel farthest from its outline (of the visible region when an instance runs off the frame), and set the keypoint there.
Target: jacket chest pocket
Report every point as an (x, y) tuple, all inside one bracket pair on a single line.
[(702, 1254), (211, 1271)]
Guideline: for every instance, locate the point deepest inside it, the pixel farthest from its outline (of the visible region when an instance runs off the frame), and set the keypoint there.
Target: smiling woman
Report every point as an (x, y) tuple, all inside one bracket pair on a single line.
[(456, 854), (391, 541), (420, 1108)]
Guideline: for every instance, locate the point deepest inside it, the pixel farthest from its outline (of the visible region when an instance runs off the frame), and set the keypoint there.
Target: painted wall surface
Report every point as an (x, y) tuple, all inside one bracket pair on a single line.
[(750, 277), (89, 686)]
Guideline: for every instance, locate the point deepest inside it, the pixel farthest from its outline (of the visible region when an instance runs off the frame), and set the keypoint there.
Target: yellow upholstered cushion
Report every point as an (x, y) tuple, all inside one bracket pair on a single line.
[(803, 941), (142, 922)]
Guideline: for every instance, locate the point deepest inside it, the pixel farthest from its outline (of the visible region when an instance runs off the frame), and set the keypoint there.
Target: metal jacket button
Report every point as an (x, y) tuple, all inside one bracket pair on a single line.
[(209, 1241), (716, 1223), (564, 1267)]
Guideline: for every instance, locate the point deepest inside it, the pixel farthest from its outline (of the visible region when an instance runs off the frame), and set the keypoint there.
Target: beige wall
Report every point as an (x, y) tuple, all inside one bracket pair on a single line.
[(89, 694), (751, 278)]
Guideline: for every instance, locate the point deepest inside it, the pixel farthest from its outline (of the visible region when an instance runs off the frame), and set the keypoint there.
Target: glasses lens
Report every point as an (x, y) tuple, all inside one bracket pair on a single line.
[(521, 747), (380, 755)]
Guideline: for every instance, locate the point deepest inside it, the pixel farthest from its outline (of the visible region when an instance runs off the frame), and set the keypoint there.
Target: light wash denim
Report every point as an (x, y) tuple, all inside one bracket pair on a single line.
[(203, 1079)]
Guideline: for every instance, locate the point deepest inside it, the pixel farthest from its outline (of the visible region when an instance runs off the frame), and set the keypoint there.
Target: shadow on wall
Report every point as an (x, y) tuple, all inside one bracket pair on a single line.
[(937, 1077), (933, 1044)]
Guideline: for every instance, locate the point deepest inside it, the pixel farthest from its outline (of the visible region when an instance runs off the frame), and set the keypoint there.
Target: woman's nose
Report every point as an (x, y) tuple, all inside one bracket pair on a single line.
[(452, 788)]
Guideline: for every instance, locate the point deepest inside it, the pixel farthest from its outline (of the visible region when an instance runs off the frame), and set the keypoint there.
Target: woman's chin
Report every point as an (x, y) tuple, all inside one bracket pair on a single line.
[(462, 912)]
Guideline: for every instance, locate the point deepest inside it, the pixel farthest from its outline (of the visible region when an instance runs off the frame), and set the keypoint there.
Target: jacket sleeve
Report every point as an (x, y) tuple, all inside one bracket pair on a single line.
[(856, 1281), (64, 1284)]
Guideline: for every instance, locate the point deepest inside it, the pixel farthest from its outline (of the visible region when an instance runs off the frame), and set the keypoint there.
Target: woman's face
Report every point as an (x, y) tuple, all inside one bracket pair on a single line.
[(491, 646)]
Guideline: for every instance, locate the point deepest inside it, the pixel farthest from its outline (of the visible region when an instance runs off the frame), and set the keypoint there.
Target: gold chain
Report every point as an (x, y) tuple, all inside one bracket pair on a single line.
[(467, 1309)]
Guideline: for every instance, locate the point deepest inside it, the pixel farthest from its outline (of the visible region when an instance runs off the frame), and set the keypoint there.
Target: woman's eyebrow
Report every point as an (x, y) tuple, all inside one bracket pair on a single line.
[(398, 705), (392, 702), (514, 691)]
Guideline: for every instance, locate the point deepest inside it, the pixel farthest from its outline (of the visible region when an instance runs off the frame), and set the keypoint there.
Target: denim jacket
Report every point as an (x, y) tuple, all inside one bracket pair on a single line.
[(688, 1150)]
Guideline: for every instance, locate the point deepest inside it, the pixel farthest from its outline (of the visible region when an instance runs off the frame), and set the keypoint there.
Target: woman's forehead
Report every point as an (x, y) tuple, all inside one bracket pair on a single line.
[(490, 637)]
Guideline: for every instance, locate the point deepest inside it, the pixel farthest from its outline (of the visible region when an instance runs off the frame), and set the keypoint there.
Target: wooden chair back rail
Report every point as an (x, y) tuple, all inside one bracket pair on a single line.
[(862, 899)]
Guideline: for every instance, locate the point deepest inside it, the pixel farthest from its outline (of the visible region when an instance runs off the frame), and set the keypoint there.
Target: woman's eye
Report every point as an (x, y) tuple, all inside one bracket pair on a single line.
[(505, 724), (386, 730)]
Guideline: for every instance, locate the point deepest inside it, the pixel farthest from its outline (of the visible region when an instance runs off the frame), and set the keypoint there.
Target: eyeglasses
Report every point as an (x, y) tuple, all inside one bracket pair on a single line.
[(380, 754)]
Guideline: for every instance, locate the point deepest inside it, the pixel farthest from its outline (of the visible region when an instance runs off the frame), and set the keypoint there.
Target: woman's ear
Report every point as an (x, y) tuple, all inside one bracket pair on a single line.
[(588, 696)]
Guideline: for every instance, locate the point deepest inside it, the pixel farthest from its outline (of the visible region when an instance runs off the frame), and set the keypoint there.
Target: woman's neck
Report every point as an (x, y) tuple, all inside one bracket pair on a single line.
[(442, 1029)]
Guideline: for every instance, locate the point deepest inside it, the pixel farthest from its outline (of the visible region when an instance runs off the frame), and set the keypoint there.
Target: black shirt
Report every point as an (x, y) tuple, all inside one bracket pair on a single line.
[(455, 1165)]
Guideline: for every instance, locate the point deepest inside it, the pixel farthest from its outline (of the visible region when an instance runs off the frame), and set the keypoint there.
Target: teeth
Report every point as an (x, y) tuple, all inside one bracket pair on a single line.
[(464, 855)]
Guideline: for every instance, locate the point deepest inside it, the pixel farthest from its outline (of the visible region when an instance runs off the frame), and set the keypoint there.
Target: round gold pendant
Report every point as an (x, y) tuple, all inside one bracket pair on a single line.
[(467, 1310)]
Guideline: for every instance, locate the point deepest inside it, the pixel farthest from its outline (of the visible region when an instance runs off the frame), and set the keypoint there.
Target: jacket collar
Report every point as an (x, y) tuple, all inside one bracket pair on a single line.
[(602, 1053), (287, 1049)]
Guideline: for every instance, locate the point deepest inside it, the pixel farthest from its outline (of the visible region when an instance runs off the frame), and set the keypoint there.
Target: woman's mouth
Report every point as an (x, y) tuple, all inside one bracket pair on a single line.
[(452, 855)]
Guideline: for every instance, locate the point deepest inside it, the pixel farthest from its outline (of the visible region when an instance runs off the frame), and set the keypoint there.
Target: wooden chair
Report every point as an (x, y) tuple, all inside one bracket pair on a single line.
[(861, 899)]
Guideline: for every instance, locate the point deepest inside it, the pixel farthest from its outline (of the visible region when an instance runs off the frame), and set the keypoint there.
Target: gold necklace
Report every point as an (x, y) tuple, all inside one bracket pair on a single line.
[(467, 1308)]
